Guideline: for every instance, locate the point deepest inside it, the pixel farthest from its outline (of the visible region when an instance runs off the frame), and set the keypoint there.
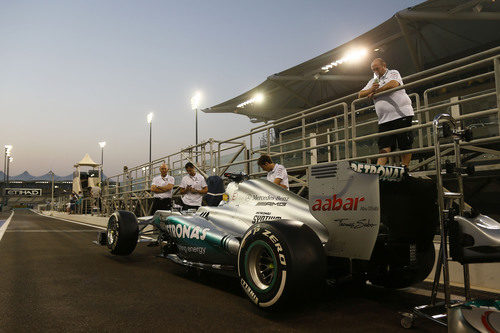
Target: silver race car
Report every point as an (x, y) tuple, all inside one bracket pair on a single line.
[(361, 221)]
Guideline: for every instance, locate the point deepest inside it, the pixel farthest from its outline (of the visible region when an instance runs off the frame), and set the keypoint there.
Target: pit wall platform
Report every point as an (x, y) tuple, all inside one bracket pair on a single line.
[(484, 277)]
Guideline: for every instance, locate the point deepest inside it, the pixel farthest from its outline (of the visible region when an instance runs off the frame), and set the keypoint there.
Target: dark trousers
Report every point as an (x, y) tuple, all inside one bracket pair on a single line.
[(161, 204), (186, 207)]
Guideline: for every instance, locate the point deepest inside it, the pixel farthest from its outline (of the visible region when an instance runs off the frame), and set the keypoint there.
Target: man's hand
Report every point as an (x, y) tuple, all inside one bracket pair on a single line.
[(374, 87)]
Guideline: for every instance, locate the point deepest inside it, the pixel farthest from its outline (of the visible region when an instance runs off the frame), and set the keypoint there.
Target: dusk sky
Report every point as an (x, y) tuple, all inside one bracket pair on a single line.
[(73, 73)]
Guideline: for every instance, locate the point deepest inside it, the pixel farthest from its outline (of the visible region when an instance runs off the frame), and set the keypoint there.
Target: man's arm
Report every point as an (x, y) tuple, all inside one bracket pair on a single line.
[(368, 92), (165, 188), (204, 190), (277, 181), (389, 85)]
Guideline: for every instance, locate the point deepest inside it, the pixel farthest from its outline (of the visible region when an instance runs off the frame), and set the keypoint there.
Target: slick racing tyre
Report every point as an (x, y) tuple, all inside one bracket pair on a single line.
[(122, 233), (280, 260)]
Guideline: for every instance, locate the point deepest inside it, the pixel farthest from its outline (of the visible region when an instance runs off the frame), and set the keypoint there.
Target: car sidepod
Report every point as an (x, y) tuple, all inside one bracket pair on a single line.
[(199, 240)]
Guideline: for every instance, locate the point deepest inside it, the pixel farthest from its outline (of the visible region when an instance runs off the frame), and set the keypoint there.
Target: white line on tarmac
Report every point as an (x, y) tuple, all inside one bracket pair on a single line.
[(55, 230), (5, 225), (88, 225), (60, 218)]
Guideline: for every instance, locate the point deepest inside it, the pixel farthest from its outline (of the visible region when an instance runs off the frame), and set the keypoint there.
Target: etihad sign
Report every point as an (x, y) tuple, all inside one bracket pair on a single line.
[(23, 191)]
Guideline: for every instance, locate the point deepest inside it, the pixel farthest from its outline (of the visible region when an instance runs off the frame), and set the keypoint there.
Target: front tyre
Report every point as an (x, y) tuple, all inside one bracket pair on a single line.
[(280, 260), (122, 233)]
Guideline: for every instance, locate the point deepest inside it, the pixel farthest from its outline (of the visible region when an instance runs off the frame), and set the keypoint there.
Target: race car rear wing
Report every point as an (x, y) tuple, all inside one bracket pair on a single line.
[(345, 198), (389, 173)]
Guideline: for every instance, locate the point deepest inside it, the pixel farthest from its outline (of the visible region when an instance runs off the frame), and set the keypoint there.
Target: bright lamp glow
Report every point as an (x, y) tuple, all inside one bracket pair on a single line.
[(351, 56), (150, 117), (11, 158), (258, 98), (195, 100), (8, 149), (102, 144)]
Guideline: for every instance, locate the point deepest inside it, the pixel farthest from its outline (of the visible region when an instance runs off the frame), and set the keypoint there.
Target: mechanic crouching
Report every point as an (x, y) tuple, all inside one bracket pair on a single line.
[(193, 187)]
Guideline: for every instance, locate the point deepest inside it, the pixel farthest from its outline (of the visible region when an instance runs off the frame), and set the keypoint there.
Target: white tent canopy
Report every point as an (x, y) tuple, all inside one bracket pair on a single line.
[(87, 161), (91, 181)]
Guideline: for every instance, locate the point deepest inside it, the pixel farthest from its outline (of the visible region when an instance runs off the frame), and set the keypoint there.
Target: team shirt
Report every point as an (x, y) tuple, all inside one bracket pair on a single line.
[(394, 105), (197, 182), (163, 181), (278, 171)]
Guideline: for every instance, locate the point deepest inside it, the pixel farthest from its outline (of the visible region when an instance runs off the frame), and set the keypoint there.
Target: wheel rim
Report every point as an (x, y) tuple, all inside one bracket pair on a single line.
[(261, 266), (112, 231)]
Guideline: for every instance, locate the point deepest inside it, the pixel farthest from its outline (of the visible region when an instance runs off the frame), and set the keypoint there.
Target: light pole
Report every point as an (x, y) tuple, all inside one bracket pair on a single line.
[(7, 151), (150, 122), (102, 144), (195, 103), (52, 196), (9, 160)]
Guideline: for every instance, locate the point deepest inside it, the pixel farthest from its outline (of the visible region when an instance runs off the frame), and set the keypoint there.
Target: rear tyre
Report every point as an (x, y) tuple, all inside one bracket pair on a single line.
[(280, 260), (405, 275), (122, 233)]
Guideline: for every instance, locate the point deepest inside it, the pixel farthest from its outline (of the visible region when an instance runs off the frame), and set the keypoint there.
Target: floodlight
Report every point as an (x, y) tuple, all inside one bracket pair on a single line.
[(195, 100), (351, 56), (258, 98), (102, 144), (150, 117)]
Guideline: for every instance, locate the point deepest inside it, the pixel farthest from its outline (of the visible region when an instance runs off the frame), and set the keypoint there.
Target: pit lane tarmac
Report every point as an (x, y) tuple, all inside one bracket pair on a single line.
[(53, 278)]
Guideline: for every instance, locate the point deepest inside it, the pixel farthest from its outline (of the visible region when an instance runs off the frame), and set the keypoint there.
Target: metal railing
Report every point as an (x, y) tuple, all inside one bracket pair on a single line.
[(345, 128)]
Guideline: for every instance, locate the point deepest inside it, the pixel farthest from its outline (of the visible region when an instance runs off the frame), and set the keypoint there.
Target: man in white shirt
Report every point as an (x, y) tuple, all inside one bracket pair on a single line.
[(162, 186), (394, 110), (193, 187), (276, 173)]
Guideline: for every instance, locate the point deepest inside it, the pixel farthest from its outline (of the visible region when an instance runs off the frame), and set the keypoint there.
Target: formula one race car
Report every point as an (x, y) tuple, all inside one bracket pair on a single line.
[(362, 222)]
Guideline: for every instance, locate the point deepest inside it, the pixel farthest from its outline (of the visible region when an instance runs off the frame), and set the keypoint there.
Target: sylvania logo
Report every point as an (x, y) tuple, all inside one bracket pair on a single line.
[(335, 203)]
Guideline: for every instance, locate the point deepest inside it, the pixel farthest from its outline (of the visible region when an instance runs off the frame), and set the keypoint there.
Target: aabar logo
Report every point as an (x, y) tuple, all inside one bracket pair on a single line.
[(335, 203)]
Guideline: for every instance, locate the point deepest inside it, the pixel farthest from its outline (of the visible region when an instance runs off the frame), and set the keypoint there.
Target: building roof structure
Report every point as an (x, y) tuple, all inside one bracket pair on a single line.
[(415, 39)]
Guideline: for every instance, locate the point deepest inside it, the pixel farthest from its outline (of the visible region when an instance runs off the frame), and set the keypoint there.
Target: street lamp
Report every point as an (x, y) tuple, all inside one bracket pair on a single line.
[(9, 161), (8, 149), (52, 196), (195, 103), (102, 144), (150, 122)]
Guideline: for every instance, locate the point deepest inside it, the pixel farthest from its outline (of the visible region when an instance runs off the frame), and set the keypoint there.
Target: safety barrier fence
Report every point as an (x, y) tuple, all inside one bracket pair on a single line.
[(346, 128)]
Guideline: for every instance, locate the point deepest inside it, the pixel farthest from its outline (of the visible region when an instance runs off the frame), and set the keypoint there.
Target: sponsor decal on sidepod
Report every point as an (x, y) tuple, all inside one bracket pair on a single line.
[(187, 231)]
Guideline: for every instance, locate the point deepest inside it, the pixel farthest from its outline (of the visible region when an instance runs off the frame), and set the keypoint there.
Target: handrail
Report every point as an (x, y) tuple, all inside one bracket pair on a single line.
[(317, 133)]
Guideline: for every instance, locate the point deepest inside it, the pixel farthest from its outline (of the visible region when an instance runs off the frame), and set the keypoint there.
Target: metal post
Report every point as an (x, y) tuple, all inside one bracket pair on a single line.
[(52, 196), (7, 181), (196, 130), (353, 130), (102, 166), (150, 141), (442, 213), (496, 63), (4, 178), (4, 165), (8, 166), (304, 157)]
